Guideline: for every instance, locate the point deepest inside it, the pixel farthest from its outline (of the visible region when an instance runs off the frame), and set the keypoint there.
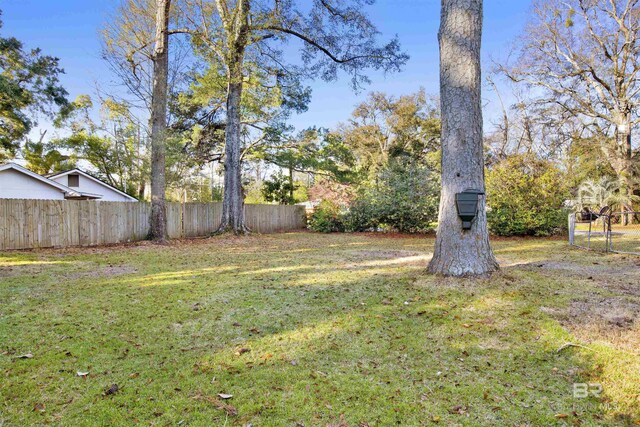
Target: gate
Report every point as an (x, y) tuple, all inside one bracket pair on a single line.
[(610, 232)]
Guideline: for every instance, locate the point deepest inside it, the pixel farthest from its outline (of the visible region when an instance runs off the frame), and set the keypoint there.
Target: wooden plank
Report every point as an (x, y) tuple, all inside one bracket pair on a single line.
[(61, 223)]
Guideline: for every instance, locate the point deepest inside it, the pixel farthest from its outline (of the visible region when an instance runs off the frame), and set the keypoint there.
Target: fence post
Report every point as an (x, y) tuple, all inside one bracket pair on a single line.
[(572, 227)]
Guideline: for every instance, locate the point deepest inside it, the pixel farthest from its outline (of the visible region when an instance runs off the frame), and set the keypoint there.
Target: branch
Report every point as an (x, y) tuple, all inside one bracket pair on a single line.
[(316, 45)]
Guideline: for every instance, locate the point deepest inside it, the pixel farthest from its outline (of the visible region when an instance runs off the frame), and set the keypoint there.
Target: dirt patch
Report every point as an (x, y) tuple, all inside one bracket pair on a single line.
[(614, 320), (31, 269), (617, 312), (366, 259), (575, 268), (394, 235), (107, 271), (381, 254), (620, 279)]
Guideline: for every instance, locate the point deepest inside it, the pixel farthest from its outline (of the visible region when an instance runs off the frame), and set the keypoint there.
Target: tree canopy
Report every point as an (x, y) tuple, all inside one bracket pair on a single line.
[(29, 86)]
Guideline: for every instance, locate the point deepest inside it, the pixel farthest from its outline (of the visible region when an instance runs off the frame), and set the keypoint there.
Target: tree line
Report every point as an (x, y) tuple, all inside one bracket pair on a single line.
[(215, 82)]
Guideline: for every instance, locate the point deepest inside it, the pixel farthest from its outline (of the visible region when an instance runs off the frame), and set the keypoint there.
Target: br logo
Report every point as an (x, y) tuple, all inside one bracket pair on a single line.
[(584, 390)]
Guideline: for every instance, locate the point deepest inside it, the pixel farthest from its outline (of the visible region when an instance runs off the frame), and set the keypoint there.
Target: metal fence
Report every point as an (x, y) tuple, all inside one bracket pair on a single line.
[(612, 232)]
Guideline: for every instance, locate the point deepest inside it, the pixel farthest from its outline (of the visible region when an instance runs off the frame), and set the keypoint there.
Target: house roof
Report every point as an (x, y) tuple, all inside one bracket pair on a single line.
[(37, 177), (93, 178)]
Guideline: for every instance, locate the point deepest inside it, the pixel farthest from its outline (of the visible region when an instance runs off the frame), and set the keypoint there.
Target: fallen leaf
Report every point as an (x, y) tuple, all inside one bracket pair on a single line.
[(134, 375), (225, 396), (39, 407), (436, 419), (340, 423), (242, 351), (82, 374), (112, 390), (457, 410), (219, 404), (266, 356), (25, 356), (562, 416), (466, 325)]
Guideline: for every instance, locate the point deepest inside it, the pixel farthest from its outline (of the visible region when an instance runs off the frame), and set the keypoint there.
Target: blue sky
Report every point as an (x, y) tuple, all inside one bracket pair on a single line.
[(69, 30)]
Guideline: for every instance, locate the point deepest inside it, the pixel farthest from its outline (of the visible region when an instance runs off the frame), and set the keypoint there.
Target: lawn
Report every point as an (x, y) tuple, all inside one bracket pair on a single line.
[(316, 330)]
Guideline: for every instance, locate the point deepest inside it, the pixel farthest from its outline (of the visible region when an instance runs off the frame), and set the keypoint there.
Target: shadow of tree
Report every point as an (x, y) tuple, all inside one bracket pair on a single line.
[(330, 332)]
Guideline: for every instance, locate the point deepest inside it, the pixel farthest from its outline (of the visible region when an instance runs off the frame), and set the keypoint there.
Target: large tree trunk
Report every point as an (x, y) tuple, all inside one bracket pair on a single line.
[(233, 200), (624, 169), (158, 230), (458, 252)]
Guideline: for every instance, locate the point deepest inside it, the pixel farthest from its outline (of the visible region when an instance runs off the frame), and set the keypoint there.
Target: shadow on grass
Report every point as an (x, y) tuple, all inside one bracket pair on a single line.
[(329, 335)]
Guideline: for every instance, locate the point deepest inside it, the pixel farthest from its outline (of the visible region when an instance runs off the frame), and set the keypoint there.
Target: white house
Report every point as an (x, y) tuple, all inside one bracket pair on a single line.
[(17, 182), (78, 180)]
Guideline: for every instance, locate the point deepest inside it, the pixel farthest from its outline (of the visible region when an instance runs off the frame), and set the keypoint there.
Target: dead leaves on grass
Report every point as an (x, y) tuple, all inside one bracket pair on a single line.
[(25, 356), (242, 351), (111, 390), (218, 403)]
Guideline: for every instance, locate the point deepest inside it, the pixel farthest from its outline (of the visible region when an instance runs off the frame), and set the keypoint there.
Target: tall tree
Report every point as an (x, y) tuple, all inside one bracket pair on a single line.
[(334, 34), (43, 158), (29, 85), (386, 127), (160, 59), (113, 145), (136, 48), (312, 151), (461, 252), (584, 55)]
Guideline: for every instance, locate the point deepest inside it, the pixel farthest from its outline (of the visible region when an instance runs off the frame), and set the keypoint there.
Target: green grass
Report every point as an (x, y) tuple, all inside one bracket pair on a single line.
[(340, 330)]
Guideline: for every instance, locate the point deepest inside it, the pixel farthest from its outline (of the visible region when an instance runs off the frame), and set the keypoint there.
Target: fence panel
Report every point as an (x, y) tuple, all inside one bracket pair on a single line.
[(274, 218), (612, 232), (26, 224), (174, 220), (201, 219), (625, 232)]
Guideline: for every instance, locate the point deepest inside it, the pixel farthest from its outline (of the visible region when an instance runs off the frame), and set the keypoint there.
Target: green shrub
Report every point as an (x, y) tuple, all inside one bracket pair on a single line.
[(404, 198), (526, 196), (327, 218), (362, 215)]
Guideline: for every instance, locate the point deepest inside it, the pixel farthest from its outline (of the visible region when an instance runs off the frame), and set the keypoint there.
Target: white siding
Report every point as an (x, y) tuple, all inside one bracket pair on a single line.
[(88, 185), (16, 185)]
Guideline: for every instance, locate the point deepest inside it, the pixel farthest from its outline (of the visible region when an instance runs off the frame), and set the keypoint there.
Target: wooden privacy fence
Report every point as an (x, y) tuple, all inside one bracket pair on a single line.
[(26, 224)]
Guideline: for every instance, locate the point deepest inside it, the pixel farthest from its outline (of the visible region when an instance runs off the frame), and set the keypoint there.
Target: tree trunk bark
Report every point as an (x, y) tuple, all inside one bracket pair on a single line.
[(233, 200), (623, 142), (141, 189), (461, 252), (291, 189), (158, 231)]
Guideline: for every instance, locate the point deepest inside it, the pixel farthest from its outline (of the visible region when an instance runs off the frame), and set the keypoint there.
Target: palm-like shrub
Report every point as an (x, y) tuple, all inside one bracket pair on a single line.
[(595, 194)]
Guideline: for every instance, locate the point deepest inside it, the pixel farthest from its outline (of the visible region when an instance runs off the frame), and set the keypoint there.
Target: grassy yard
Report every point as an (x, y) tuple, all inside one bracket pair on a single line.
[(316, 330)]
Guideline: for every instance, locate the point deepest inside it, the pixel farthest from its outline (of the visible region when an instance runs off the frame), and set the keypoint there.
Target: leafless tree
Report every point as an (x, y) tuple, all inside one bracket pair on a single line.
[(584, 55)]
